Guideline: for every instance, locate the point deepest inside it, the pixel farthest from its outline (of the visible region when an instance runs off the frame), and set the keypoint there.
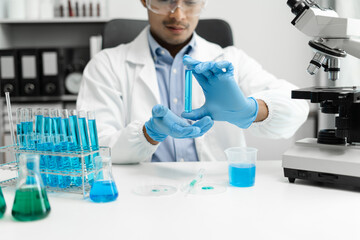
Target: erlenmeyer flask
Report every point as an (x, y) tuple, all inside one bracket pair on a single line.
[(31, 202), (2, 204), (104, 187)]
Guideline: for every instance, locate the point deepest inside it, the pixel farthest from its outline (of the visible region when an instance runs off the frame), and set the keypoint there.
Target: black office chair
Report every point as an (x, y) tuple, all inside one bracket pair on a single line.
[(120, 31)]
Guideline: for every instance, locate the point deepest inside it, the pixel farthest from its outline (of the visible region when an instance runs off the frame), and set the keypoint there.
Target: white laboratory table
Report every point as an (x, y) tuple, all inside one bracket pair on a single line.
[(272, 209)]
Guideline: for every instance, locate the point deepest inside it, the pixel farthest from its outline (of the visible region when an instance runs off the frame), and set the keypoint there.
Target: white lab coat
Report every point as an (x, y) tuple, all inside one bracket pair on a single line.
[(120, 84)]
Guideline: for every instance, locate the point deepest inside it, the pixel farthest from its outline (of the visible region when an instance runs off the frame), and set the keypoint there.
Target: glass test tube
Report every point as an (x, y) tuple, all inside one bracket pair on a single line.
[(75, 145), (19, 133), (94, 140), (65, 140), (188, 90), (29, 135), (39, 126), (85, 143)]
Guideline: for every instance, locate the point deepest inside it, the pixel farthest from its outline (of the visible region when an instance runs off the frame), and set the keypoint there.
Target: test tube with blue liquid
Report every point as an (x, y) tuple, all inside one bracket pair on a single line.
[(188, 90), (19, 131), (48, 145), (65, 140), (75, 145), (29, 136), (85, 144), (40, 145), (55, 163), (39, 126), (94, 140)]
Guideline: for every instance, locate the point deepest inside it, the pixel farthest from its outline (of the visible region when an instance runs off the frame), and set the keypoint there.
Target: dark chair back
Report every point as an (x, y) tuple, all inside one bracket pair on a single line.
[(120, 31)]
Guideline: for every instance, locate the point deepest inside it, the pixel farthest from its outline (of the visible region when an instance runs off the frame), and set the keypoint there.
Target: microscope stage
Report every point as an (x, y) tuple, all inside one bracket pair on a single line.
[(309, 160)]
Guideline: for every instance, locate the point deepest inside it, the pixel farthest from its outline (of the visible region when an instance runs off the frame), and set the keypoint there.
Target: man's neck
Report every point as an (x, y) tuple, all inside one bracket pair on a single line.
[(173, 49)]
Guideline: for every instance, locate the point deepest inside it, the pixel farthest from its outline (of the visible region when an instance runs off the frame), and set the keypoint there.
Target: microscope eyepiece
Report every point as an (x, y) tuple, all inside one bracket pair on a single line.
[(297, 6)]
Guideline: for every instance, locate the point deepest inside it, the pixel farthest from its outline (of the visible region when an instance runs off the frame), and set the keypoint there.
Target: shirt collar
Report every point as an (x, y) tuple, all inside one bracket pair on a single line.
[(157, 50)]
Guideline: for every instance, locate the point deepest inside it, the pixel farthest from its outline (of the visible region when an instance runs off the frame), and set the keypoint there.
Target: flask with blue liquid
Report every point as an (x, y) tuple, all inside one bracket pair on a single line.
[(104, 188)]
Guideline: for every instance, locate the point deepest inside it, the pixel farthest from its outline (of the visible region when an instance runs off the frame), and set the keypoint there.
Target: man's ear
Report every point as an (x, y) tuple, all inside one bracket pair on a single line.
[(143, 3)]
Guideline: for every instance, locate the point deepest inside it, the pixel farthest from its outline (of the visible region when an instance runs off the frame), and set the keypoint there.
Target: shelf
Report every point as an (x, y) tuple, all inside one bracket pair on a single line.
[(55, 20), (64, 98)]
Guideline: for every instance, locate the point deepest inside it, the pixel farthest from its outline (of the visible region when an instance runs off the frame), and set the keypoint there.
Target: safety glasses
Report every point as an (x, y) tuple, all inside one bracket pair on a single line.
[(165, 7)]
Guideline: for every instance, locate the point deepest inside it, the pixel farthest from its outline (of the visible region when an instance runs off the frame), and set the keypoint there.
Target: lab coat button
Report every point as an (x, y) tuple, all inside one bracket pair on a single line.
[(175, 100), (182, 160), (174, 71)]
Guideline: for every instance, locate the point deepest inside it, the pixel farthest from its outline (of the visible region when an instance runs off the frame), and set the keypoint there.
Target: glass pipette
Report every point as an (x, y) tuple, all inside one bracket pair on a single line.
[(199, 176)]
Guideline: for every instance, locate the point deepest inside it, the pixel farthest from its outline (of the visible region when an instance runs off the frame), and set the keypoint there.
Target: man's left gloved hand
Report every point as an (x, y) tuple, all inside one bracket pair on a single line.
[(224, 99)]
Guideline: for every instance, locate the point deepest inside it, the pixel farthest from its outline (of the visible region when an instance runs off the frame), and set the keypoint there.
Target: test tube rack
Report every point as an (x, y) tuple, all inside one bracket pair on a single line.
[(9, 169)]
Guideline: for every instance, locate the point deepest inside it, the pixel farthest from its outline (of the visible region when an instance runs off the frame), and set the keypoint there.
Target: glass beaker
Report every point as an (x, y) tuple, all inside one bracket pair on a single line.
[(104, 187), (2, 204), (242, 166), (31, 201)]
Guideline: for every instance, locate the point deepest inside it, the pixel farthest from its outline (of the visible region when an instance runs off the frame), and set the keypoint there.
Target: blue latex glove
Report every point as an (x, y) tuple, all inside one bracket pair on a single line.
[(224, 99), (165, 123)]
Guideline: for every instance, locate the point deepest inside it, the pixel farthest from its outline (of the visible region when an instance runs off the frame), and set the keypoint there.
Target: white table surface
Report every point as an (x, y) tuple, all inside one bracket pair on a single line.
[(272, 209)]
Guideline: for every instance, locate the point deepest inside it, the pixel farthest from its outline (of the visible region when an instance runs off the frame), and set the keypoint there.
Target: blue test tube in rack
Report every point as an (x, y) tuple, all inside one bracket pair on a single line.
[(40, 144), (48, 145), (39, 126), (75, 145), (29, 135), (85, 144), (55, 162), (65, 139), (19, 132), (94, 140)]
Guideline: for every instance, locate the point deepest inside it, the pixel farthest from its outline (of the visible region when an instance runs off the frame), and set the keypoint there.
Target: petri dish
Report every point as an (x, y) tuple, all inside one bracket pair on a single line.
[(155, 190)]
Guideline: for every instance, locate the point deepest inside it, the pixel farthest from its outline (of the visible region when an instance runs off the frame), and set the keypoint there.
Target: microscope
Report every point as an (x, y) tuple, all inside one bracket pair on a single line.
[(334, 156)]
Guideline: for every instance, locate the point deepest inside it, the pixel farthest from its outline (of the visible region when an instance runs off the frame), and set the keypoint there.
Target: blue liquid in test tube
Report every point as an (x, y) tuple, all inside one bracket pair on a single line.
[(48, 145), (75, 145), (19, 131), (85, 144), (65, 140), (56, 161), (188, 90), (39, 126), (94, 140)]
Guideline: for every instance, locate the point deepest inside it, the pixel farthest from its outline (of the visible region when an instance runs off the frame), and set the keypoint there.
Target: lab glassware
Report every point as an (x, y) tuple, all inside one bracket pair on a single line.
[(188, 91), (2, 204), (31, 201), (75, 145), (242, 166), (94, 140), (104, 188), (84, 135)]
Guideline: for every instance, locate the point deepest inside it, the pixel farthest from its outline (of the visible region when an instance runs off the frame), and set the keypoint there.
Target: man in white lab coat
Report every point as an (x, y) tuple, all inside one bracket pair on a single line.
[(125, 85)]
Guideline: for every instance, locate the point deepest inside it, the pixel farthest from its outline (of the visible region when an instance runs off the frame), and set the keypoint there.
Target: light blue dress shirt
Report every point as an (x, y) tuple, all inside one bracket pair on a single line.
[(170, 73)]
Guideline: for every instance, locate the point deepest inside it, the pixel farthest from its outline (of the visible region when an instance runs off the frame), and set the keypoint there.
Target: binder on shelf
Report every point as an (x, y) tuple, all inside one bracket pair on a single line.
[(29, 79), (9, 72), (51, 73)]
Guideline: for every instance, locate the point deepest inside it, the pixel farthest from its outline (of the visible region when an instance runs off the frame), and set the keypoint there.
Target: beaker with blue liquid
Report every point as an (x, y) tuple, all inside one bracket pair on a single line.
[(104, 188), (242, 166)]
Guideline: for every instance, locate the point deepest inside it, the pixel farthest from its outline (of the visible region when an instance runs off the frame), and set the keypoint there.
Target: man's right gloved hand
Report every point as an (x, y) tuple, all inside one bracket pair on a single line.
[(165, 123)]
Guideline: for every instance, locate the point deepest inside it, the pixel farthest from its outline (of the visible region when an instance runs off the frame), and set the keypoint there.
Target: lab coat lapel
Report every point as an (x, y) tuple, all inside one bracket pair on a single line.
[(139, 54)]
